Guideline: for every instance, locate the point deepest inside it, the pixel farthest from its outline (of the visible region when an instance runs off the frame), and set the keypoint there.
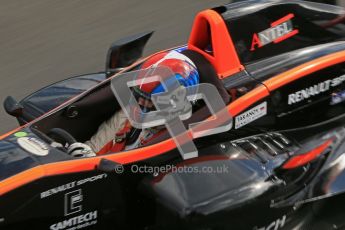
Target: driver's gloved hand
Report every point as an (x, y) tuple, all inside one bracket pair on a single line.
[(80, 150)]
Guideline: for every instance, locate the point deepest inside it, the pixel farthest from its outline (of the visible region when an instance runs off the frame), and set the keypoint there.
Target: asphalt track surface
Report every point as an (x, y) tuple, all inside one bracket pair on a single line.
[(42, 42)]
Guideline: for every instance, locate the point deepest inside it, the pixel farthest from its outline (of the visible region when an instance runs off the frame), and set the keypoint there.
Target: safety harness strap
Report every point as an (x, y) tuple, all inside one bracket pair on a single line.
[(119, 142)]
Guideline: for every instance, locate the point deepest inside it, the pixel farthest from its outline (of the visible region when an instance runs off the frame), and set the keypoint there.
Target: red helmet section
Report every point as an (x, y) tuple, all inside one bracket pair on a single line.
[(177, 66)]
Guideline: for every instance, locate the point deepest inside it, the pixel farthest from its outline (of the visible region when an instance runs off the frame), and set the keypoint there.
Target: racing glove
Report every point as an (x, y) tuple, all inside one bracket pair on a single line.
[(80, 150)]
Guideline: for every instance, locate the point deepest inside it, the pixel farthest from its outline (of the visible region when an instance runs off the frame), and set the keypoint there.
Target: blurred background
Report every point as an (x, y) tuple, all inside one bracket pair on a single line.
[(46, 41)]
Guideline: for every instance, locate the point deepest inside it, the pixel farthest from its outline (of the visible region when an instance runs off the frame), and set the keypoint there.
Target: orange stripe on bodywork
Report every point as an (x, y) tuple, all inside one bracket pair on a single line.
[(305, 158), (88, 164), (304, 70), (80, 165), (247, 100), (10, 133), (21, 179)]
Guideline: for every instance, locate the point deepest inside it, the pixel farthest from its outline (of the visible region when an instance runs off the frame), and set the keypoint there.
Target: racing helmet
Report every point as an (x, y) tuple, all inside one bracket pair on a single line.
[(182, 67)]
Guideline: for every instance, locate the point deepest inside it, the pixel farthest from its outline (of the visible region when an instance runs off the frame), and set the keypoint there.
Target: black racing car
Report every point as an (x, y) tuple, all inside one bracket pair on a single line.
[(279, 66)]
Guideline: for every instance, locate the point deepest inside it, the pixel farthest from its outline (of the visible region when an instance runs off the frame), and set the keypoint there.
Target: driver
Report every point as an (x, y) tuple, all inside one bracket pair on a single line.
[(117, 134)]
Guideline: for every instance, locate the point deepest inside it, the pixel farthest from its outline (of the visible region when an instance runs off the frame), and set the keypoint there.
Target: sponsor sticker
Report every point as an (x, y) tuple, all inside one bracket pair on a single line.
[(338, 97), (77, 222), (73, 202), (315, 90), (279, 31), (70, 185), (251, 115), (73, 205), (33, 145), (20, 134)]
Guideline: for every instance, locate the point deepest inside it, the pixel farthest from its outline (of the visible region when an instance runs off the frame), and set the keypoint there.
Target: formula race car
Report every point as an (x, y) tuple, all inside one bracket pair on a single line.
[(279, 66)]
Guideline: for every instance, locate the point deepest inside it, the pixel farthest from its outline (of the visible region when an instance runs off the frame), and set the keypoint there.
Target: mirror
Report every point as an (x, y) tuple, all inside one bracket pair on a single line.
[(126, 51), (12, 107)]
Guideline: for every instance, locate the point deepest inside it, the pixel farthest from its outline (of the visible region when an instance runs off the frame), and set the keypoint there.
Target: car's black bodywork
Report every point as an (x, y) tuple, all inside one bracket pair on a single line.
[(284, 169)]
